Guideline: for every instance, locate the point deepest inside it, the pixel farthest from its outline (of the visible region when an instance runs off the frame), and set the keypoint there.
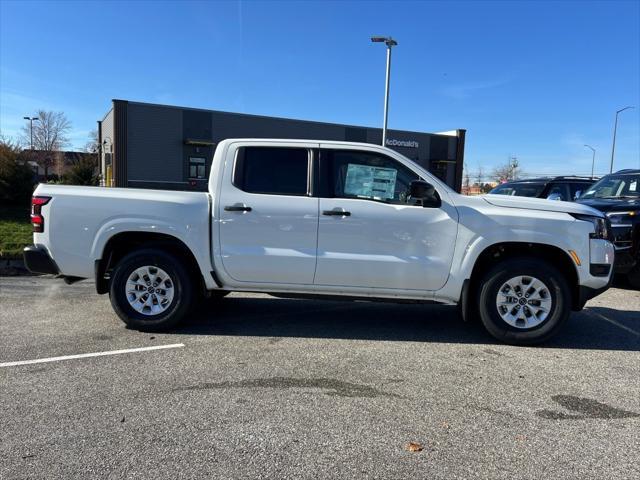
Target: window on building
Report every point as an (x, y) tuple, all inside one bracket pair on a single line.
[(370, 176), (272, 170), (197, 167)]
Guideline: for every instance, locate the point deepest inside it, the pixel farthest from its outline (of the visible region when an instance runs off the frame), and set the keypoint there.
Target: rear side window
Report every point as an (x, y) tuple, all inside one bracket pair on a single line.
[(561, 189), (578, 189), (272, 170), (519, 189)]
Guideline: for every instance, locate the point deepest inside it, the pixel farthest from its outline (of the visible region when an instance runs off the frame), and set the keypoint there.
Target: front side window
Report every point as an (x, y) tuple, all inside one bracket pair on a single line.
[(197, 167), (369, 176), (272, 170)]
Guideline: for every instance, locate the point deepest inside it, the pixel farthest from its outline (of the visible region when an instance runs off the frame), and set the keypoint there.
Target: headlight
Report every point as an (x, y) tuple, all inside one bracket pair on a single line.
[(625, 218), (601, 226)]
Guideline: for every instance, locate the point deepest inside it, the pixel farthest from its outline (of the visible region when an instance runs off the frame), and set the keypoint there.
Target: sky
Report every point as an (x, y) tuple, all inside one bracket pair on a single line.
[(534, 80)]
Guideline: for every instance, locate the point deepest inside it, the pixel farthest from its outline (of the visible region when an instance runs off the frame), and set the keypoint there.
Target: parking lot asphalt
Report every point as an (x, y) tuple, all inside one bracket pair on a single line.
[(271, 388)]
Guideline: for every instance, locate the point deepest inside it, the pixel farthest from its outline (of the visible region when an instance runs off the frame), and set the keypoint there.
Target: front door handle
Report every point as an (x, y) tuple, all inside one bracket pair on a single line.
[(337, 213), (238, 207)]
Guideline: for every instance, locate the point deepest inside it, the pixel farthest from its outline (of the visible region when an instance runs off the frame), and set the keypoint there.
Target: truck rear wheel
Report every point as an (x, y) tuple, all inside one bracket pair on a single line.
[(150, 290), (524, 301)]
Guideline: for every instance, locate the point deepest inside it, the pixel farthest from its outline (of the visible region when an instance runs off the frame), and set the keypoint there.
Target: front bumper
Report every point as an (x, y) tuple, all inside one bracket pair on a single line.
[(626, 238), (626, 260), (601, 260), (598, 274), (38, 260)]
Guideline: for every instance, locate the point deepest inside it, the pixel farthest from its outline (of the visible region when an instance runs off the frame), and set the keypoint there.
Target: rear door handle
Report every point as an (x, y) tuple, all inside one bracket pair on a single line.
[(337, 213), (237, 208)]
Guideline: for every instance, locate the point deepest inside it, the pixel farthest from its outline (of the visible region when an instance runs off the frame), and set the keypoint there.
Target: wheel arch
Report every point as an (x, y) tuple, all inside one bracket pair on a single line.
[(497, 252), (123, 243)]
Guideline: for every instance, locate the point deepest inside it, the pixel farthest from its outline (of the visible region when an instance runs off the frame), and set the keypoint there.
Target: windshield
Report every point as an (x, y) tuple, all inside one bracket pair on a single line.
[(615, 186), (519, 189)]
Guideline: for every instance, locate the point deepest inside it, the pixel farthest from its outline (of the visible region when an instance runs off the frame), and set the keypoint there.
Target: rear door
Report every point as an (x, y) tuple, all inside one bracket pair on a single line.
[(268, 218)]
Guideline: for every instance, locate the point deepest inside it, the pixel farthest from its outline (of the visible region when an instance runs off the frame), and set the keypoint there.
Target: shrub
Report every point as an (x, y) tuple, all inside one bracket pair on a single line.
[(16, 179), (82, 173)]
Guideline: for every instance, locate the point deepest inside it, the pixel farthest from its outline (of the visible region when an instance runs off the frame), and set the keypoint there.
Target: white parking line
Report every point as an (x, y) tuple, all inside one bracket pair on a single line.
[(89, 355), (617, 324)]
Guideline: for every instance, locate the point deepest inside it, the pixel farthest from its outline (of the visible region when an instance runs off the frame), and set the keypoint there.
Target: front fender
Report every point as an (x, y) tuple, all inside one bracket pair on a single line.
[(480, 230)]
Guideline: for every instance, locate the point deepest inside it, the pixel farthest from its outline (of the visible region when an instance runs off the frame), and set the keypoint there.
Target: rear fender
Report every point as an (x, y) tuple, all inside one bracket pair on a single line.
[(196, 240)]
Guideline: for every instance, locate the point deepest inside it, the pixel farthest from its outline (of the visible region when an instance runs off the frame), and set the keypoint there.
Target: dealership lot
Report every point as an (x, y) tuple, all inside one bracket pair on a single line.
[(259, 387)]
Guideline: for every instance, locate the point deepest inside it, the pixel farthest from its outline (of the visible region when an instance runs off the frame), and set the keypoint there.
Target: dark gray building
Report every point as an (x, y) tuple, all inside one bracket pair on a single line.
[(160, 146)]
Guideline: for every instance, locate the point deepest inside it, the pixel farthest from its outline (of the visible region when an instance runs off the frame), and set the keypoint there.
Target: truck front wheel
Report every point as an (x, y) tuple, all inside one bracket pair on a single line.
[(524, 301), (150, 290)]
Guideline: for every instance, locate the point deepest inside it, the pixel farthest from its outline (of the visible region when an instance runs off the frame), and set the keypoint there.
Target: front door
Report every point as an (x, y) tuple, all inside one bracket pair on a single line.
[(371, 233), (268, 221)]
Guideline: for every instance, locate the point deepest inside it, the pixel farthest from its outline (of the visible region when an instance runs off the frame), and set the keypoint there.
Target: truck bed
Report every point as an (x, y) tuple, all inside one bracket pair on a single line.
[(81, 219)]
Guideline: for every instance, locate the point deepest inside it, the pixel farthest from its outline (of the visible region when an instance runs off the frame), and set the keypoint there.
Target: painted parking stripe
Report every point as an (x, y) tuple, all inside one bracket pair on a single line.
[(89, 355), (617, 324)]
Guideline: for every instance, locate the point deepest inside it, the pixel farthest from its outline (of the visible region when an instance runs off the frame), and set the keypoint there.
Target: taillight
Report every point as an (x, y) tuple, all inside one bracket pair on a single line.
[(37, 220)]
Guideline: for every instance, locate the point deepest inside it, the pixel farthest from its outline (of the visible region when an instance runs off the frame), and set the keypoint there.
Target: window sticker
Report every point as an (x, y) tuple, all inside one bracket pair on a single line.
[(370, 182), (633, 186)]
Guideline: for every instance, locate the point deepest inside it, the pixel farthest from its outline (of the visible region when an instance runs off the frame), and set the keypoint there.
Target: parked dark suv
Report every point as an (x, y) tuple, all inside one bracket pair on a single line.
[(618, 196), (558, 188)]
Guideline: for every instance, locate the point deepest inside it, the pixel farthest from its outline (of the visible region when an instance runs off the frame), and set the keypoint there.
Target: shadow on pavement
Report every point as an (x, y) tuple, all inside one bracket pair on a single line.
[(593, 328), (622, 282)]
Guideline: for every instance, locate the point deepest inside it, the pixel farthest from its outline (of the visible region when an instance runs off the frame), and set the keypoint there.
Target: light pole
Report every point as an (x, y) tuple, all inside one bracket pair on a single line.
[(615, 127), (593, 159), (389, 42), (31, 119)]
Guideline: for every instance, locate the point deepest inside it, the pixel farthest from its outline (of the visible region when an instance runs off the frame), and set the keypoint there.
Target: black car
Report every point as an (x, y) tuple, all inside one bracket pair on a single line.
[(618, 196), (557, 188)]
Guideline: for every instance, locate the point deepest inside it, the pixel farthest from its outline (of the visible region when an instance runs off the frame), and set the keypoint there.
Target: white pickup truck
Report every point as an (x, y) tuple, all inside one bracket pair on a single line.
[(334, 219)]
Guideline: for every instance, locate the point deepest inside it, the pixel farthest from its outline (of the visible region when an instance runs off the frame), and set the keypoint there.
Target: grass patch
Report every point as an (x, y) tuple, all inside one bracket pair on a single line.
[(15, 231)]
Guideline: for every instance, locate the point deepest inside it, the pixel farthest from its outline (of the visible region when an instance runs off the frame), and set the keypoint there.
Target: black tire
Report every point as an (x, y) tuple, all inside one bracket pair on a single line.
[(179, 281), (524, 266)]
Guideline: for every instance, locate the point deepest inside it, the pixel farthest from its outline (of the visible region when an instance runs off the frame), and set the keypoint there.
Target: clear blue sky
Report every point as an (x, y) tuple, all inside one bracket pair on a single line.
[(532, 79)]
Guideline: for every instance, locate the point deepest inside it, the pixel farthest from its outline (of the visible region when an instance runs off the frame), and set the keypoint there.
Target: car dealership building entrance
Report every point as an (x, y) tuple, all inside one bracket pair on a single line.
[(165, 147)]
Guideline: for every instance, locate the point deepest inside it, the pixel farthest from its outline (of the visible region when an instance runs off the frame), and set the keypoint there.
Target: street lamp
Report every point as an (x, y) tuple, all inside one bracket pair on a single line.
[(31, 119), (389, 42), (593, 159), (615, 127)]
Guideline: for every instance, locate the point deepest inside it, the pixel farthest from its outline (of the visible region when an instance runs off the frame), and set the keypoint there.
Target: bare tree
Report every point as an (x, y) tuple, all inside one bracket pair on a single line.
[(90, 158), (50, 131), (50, 135), (508, 171), (92, 145), (467, 180)]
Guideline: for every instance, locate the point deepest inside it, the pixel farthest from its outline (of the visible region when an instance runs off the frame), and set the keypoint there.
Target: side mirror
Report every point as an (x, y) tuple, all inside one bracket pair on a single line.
[(424, 191), (577, 194), (554, 196)]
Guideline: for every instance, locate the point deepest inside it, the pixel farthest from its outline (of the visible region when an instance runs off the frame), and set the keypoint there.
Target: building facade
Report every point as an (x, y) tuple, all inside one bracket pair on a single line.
[(53, 165), (165, 147)]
